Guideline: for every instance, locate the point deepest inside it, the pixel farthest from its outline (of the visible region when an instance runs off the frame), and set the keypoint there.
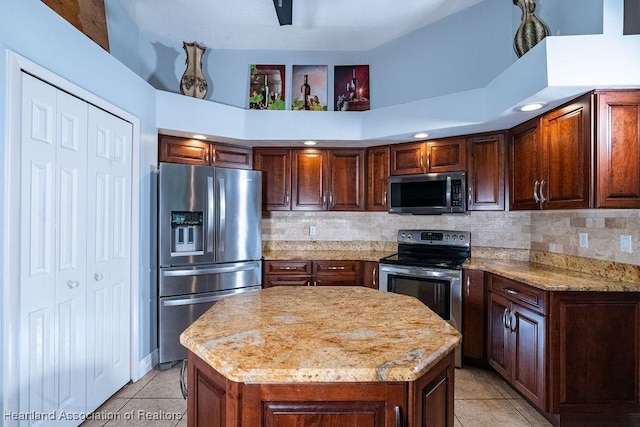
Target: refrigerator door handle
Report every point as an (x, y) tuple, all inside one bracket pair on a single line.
[(200, 300), (214, 270), (222, 203), (210, 213)]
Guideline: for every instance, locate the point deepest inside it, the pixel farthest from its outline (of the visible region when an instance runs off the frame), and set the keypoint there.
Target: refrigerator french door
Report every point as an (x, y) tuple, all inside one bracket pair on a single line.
[(209, 245)]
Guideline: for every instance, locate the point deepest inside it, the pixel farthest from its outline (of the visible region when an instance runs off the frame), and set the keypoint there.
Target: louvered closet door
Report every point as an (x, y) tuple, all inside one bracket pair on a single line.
[(52, 251), (108, 252)]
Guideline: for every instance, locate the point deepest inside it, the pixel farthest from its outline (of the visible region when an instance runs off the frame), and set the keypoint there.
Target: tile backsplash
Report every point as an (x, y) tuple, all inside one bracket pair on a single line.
[(542, 231)]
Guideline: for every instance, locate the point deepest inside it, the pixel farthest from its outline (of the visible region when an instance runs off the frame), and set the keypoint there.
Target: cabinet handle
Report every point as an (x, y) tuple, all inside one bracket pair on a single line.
[(542, 198), (331, 198), (428, 160), (384, 199), (375, 274), (324, 198), (513, 322), (286, 267), (535, 191), (420, 159), (315, 283), (470, 195), (286, 197), (398, 416), (468, 285), (336, 267), (510, 291), (504, 318)]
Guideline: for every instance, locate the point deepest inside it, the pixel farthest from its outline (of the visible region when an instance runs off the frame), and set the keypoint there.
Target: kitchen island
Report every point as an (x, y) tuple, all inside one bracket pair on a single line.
[(320, 356)]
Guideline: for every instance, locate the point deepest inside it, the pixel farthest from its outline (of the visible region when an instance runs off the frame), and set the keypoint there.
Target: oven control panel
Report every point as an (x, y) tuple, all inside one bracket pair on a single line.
[(435, 237)]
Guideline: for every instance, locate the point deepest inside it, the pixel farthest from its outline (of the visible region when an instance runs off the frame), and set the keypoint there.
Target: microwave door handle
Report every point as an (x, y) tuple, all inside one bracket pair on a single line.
[(448, 193), (210, 213)]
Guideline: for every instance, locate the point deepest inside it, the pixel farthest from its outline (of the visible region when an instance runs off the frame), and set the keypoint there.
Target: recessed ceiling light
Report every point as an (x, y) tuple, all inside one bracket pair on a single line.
[(421, 135), (309, 143), (198, 136), (533, 106)]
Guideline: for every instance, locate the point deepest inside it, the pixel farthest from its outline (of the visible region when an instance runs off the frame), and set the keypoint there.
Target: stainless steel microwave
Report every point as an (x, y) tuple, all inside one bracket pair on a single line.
[(427, 194)]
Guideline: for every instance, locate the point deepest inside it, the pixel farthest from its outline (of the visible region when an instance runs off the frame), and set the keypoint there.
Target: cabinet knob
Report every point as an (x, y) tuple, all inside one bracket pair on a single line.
[(97, 277), (72, 284)]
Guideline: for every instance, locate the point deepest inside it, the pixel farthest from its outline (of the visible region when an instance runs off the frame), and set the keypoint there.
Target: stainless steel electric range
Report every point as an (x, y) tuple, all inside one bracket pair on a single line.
[(428, 266)]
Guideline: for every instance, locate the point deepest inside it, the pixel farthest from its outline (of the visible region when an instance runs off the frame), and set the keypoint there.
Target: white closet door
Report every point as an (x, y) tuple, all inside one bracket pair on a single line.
[(108, 252), (52, 250)]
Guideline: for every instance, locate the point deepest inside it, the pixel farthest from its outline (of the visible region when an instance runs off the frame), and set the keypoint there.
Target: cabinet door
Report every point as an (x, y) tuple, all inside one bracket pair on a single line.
[(566, 143), (183, 150), (473, 315), (230, 156), (309, 180), (498, 334), (377, 176), (337, 273), (485, 176), (447, 155), (370, 274), (528, 353), (275, 164), (407, 159), (618, 148), (524, 166), (346, 180)]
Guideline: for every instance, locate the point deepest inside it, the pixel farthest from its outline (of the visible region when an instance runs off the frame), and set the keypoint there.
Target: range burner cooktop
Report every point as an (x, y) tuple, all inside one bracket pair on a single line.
[(431, 248)]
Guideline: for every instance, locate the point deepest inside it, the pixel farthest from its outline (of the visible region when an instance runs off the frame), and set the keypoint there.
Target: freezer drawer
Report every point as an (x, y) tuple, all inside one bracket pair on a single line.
[(177, 313), (209, 278)]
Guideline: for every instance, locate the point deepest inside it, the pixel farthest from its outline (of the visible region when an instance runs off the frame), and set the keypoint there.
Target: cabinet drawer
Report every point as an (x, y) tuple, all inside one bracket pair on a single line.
[(516, 291), (337, 280), (336, 268), (296, 267), (271, 280)]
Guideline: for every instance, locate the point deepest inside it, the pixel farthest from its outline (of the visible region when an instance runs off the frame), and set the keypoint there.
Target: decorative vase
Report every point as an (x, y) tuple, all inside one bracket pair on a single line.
[(531, 29), (193, 82)]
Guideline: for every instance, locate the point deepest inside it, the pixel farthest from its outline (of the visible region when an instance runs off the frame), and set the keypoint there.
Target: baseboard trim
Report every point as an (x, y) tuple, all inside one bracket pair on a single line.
[(147, 364)]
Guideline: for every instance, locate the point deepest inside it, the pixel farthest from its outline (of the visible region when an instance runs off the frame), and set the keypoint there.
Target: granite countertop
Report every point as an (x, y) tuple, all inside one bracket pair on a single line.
[(327, 334), (325, 255), (550, 278)]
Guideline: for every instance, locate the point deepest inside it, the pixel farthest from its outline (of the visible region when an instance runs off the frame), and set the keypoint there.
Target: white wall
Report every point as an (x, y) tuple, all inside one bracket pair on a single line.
[(32, 30)]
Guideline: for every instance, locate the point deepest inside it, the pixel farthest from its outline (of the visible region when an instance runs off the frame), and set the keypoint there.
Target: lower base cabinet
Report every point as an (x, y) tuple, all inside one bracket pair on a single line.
[(573, 355), (215, 401)]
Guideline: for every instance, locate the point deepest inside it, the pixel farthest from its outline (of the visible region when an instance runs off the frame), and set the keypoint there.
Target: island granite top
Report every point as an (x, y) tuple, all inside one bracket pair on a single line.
[(320, 334)]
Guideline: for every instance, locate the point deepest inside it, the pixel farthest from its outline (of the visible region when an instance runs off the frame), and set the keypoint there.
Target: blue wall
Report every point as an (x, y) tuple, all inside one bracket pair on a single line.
[(31, 29)]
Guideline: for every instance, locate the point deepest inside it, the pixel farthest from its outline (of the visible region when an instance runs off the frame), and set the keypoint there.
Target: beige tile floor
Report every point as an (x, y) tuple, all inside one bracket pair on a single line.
[(482, 399)]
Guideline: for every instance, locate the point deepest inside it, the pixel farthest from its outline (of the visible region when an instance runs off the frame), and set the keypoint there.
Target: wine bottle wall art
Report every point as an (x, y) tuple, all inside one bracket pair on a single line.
[(309, 88), (351, 88), (266, 87)]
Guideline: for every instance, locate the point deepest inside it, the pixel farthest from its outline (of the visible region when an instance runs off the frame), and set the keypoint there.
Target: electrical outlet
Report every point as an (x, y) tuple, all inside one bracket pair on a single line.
[(312, 230), (584, 240), (625, 244)]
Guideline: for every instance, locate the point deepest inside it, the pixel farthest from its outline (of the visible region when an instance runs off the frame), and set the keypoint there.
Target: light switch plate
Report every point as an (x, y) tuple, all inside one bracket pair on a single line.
[(312, 230), (625, 244)]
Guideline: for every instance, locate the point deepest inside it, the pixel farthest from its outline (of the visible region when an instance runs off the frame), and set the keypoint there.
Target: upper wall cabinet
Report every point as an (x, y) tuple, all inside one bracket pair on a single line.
[(550, 159), (195, 152), (311, 180), (445, 155), (618, 149), (377, 177), (485, 172)]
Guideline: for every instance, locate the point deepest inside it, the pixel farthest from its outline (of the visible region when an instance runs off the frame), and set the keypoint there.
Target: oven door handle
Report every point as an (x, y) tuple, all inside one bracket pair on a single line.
[(417, 271)]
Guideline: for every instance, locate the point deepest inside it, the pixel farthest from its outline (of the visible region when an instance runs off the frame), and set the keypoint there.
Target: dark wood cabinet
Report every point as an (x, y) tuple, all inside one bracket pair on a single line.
[(473, 317), (196, 152), (517, 336), (445, 155), (407, 158), (370, 274), (287, 273), (377, 175), (618, 149), (346, 180), (311, 180), (551, 159), (309, 169), (595, 357), (486, 172), (275, 164), (312, 273)]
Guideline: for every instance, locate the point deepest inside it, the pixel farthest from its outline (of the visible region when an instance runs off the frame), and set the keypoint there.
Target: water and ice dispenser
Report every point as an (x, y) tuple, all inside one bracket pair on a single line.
[(187, 233)]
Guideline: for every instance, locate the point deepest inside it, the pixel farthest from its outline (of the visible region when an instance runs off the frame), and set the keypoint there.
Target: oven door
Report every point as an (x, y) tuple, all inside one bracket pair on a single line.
[(439, 289)]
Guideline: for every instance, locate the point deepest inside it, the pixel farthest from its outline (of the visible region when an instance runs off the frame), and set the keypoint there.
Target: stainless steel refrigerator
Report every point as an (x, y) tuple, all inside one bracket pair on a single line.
[(209, 242)]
